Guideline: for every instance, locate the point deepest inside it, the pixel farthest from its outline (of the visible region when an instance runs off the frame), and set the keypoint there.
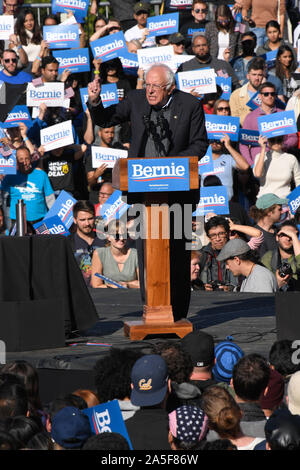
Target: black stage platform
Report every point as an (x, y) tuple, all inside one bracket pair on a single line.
[(249, 318)]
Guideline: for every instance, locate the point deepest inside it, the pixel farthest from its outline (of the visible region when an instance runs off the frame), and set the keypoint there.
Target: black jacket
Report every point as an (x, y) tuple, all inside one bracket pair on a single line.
[(187, 123)]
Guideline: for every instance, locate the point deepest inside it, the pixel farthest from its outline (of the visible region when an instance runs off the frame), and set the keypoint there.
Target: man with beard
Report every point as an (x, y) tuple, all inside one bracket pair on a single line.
[(204, 60), (239, 98), (284, 261), (84, 239)]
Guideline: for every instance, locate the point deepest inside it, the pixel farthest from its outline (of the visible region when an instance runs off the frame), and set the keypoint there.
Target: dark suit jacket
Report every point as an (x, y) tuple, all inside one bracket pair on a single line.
[(187, 123)]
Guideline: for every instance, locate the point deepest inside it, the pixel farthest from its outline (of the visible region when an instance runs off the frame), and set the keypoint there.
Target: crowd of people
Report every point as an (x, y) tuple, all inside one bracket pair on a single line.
[(190, 394), (233, 40)]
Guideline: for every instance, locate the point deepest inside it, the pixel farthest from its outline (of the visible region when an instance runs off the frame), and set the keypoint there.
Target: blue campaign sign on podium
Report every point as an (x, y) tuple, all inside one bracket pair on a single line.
[(164, 174), (107, 417)]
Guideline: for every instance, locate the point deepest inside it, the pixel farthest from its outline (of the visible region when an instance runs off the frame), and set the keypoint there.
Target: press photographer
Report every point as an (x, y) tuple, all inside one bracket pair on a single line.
[(284, 261)]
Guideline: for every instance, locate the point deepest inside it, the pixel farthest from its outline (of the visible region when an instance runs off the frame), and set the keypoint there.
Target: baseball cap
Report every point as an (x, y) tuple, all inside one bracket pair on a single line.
[(149, 377), (141, 6), (227, 354), (200, 346), (70, 428), (293, 393), (268, 200), (175, 38), (234, 247), (188, 423)]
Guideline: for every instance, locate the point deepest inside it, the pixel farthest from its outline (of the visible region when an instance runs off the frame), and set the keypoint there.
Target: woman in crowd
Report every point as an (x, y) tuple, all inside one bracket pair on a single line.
[(187, 427), (222, 39), (29, 33), (224, 417), (275, 168), (222, 108), (274, 40), (102, 27), (115, 261), (112, 72), (285, 65), (261, 14), (28, 375)]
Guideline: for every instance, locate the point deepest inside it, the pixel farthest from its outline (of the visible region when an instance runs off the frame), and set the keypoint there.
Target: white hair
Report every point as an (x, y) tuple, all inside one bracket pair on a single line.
[(170, 76)]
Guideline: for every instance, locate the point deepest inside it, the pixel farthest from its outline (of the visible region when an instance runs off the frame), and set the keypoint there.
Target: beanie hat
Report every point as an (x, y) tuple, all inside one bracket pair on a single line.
[(227, 354)]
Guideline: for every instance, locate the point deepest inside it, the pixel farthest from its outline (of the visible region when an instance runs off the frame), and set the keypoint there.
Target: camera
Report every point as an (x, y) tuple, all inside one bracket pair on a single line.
[(216, 285), (284, 269)]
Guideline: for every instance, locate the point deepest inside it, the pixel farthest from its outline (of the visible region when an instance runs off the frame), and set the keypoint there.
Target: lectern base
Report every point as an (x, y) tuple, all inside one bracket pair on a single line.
[(138, 330)]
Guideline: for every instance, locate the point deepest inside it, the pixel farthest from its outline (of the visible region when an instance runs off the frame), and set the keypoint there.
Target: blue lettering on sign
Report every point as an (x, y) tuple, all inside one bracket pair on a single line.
[(56, 136), (164, 175)]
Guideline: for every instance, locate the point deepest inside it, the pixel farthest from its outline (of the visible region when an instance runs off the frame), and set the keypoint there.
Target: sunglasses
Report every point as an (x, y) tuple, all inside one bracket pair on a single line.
[(223, 108), (268, 93), (198, 10), (114, 28), (14, 61)]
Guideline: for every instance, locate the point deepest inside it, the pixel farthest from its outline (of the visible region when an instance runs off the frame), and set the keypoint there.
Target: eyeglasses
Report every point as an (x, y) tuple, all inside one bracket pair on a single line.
[(104, 194), (223, 108), (217, 235), (179, 44), (268, 93), (199, 10), (114, 28), (138, 13), (14, 61), (155, 87)]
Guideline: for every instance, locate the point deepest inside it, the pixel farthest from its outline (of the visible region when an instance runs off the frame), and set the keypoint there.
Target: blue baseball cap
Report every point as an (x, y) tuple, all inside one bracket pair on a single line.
[(227, 354), (70, 428), (149, 377)]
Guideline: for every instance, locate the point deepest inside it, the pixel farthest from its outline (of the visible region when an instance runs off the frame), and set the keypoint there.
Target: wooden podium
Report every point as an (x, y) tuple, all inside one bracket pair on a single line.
[(157, 312)]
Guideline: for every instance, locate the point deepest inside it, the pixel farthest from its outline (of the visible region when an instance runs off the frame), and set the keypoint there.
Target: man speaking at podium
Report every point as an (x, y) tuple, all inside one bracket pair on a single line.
[(165, 122)]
